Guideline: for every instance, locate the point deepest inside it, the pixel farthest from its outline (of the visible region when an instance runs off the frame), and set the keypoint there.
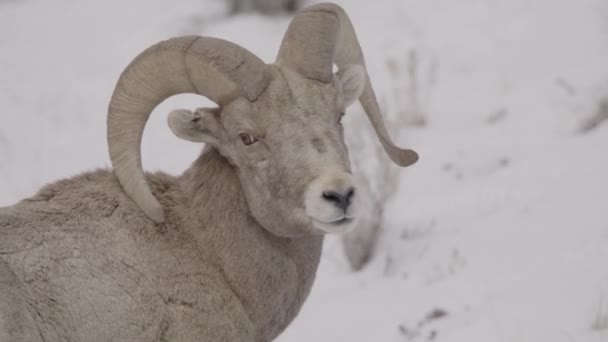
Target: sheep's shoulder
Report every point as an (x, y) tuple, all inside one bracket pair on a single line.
[(89, 196), (86, 208), (81, 253)]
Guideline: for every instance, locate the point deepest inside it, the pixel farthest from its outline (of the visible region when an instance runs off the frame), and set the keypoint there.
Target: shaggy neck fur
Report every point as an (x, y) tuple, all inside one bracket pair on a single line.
[(213, 191), (270, 275)]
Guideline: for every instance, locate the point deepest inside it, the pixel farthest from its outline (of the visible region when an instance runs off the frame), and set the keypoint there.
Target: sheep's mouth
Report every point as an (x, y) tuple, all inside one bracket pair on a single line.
[(339, 222), (342, 221), (338, 226)]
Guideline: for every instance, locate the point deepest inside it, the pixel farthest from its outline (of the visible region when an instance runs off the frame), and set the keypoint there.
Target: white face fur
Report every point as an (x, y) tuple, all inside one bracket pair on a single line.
[(288, 149)]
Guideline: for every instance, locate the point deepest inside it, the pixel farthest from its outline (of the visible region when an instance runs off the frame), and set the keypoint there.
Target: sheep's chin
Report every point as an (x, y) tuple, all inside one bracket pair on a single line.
[(340, 226)]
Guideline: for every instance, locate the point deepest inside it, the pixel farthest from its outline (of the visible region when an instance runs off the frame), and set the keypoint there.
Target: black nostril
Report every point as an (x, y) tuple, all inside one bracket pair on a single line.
[(342, 200), (332, 196)]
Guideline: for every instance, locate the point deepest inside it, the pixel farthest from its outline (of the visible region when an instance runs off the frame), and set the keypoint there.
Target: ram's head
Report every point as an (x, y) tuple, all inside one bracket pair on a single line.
[(278, 124)]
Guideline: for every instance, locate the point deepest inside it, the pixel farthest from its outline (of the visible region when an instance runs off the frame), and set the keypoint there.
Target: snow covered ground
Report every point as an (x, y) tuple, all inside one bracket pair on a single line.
[(498, 234)]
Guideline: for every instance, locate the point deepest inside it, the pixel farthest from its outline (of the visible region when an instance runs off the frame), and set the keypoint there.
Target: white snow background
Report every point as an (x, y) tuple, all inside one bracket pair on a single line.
[(498, 234)]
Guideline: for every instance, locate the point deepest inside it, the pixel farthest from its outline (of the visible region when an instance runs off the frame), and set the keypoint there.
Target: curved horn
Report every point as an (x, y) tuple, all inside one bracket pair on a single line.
[(318, 37), (214, 68)]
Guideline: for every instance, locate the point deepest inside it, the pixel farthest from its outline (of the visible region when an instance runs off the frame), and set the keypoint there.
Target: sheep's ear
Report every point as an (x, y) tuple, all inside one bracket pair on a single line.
[(199, 126), (352, 78)]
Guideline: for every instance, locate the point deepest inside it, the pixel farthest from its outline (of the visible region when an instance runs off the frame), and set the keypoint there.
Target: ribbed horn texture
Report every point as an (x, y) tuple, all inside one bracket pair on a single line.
[(214, 68), (318, 37), (308, 46)]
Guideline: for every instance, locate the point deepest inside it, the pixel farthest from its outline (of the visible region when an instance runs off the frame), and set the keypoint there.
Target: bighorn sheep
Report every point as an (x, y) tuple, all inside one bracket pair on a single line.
[(228, 250)]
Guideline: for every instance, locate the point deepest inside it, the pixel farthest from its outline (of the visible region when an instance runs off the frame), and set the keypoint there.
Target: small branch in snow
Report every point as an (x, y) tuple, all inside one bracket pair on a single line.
[(497, 116), (600, 319), (419, 333), (597, 119), (566, 86)]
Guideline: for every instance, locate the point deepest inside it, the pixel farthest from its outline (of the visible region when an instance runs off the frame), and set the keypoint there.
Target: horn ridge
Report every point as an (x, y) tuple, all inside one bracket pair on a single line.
[(324, 30), (214, 68)]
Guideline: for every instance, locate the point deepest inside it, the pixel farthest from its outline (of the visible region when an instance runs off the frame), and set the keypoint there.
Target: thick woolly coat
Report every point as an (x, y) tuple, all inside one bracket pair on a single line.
[(80, 262)]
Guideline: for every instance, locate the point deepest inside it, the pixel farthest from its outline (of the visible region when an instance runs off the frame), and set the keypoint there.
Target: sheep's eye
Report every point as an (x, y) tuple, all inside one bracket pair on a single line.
[(340, 118), (247, 139)]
